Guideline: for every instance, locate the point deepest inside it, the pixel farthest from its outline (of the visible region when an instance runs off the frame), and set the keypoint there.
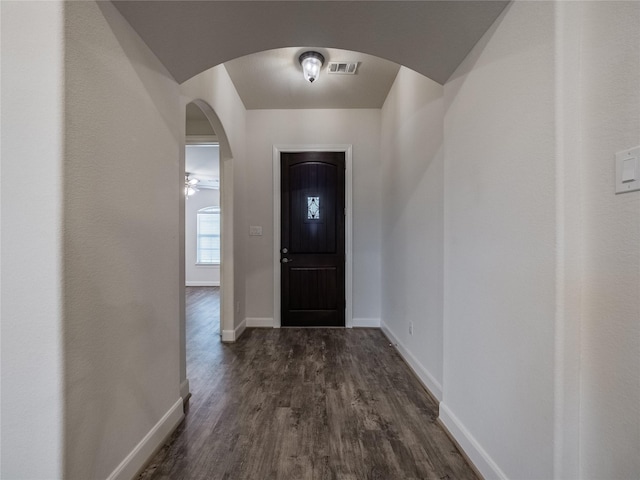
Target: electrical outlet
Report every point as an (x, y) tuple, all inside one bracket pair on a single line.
[(410, 328)]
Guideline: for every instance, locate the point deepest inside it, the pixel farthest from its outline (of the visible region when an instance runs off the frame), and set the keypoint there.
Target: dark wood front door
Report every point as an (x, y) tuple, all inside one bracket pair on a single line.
[(312, 250)]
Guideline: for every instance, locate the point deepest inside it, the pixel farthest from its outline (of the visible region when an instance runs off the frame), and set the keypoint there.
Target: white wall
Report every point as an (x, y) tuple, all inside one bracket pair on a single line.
[(361, 128), (477, 258), (413, 222), (537, 248), (31, 240), (121, 266), (610, 407), (499, 237), (198, 275)]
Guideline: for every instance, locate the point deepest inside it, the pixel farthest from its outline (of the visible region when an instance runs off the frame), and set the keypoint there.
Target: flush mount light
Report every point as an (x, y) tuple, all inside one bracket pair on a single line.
[(311, 64)]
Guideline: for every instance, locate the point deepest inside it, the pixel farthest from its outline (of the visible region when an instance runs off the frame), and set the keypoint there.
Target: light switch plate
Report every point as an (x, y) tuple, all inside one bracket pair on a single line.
[(255, 231), (626, 162)]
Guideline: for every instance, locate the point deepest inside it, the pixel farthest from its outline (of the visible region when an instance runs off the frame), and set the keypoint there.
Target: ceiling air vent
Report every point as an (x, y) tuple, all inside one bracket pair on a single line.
[(342, 68)]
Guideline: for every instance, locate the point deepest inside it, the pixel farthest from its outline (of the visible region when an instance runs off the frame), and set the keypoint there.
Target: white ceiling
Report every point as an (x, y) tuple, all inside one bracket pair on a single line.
[(273, 80), (430, 37)]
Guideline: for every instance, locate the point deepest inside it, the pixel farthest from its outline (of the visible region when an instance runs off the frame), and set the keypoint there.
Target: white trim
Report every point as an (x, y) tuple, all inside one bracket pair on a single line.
[(233, 335), (428, 381), (184, 390), (569, 236), (348, 187), (201, 140), (365, 323), (227, 262), (257, 322), (202, 283), (476, 454), (140, 455)]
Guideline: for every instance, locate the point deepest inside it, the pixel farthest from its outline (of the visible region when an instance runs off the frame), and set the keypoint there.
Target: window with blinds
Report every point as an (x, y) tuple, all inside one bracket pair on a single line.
[(208, 236)]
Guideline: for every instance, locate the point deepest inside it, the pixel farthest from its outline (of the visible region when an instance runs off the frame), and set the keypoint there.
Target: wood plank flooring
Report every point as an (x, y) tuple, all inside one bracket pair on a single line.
[(326, 404)]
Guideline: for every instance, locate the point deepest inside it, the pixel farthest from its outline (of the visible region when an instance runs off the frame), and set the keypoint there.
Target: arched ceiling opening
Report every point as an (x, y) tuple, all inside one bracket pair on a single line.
[(273, 79), (430, 37), (197, 122)]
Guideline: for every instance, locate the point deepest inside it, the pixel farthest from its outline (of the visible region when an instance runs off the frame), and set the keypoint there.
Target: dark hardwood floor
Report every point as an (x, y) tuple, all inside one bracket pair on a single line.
[(302, 404)]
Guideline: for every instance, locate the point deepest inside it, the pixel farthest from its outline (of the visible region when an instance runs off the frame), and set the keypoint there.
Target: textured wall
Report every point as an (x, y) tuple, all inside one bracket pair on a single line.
[(413, 220), (610, 406), (31, 274), (120, 240), (499, 291)]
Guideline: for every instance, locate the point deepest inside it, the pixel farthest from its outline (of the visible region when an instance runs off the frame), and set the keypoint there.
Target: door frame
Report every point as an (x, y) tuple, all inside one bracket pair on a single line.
[(348, 183), (212, 140)]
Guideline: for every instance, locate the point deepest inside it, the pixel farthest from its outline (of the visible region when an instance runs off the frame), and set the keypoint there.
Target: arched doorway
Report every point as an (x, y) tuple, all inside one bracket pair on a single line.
[(204, 129)]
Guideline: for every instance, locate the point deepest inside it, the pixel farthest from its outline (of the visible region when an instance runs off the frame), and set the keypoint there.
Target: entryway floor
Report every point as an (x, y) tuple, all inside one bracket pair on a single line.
[(302, 404)]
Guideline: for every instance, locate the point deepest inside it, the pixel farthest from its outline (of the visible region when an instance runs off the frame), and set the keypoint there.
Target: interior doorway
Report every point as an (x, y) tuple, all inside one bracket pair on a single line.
[(203, 214), (211, 250)]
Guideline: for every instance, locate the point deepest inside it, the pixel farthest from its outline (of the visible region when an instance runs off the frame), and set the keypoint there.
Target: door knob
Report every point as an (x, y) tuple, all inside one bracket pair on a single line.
[(286, 260)]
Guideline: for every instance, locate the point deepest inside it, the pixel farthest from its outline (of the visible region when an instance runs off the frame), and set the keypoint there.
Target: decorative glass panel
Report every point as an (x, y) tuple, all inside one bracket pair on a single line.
[(313, 208)]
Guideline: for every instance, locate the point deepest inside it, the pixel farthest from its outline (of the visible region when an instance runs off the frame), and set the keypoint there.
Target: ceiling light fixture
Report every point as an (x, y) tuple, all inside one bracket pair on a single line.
[(311, 64), (190, 185)]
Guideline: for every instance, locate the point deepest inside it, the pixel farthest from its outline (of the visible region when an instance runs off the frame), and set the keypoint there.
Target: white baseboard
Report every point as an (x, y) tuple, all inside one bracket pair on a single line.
[(476, 454), (153, 440), (365, 322), (259, 322), (202, 283), (240, 329), (428, 381), (233, 335), (184, 390)]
